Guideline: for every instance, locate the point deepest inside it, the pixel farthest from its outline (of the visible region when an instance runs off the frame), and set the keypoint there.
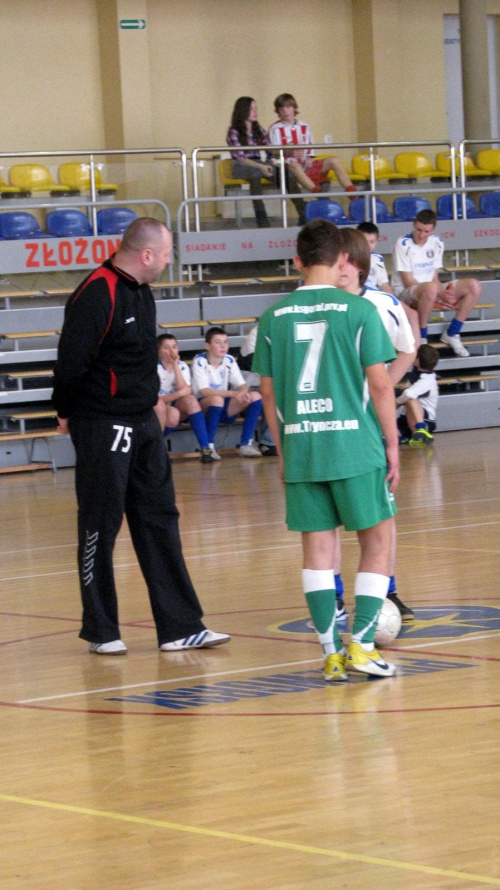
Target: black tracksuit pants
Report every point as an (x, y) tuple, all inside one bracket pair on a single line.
[(122, 467)]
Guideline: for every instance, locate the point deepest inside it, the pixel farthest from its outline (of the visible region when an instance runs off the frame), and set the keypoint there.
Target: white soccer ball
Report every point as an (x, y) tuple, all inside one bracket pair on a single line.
[(389, 624)]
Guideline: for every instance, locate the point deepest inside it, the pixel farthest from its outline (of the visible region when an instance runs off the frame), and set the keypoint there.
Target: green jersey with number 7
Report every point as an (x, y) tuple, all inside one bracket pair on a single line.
[(315, 345)]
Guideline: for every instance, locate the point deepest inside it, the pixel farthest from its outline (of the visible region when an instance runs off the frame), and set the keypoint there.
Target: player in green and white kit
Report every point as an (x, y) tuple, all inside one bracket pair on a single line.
[(321, 354)]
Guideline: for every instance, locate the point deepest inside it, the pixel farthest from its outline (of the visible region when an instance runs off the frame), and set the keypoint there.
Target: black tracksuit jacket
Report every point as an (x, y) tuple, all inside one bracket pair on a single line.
[(107, 357)]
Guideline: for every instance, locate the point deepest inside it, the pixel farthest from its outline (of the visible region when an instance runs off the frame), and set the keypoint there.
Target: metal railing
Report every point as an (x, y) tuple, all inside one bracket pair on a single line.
[(458, 185), (92, 159), (372, 148)]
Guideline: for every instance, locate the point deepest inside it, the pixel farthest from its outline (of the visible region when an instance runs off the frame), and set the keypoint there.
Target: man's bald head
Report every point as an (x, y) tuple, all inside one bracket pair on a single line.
[(143, 232), (145, 249)]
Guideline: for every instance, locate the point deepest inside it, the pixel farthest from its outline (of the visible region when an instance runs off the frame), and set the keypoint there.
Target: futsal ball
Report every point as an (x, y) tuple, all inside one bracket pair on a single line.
[(389, 624)]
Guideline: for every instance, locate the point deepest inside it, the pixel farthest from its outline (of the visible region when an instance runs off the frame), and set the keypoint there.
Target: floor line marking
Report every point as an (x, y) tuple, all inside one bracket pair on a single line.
[(262, 667), (445, 642), (251, 839)]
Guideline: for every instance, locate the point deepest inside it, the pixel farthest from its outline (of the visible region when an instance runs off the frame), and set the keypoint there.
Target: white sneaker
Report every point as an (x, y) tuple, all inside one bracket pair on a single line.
[(249, 450), (205, 639), (215, 456), (456, 344), (116, 647)]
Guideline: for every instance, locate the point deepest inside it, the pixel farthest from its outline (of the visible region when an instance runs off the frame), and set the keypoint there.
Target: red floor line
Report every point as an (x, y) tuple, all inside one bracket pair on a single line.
[(329, 713), (40, 617), (55, 633)]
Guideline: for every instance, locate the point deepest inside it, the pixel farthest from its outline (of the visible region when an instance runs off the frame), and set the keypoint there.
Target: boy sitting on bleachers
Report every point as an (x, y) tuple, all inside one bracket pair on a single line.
[(378, 276), (223, 394), (417, 421), (175, 398)]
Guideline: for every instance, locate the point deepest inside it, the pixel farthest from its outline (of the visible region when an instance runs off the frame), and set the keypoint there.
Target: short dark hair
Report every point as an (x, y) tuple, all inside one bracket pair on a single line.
[(162, 337), (212, 332), (426, 217), (368, 228), (285, 99), (428, 357), (356, 246), (319, 243)]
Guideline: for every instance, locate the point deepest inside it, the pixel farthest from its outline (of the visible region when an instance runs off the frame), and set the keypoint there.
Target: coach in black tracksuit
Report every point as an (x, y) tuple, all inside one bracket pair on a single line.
[(106, 386)]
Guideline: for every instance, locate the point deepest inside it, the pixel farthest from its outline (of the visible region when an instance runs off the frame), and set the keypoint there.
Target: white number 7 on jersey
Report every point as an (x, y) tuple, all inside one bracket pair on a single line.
[(314, 332)]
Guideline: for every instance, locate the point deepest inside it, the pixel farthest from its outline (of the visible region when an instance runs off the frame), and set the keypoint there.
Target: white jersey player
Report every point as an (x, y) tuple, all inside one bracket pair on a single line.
[(223, 393), (378, 276), (168, 379), (226, 375), (394, 318), (421, 260), (417, 259)]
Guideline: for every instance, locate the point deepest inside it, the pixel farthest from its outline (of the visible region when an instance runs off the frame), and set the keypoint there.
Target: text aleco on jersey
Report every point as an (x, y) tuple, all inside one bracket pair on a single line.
[(314, 406)]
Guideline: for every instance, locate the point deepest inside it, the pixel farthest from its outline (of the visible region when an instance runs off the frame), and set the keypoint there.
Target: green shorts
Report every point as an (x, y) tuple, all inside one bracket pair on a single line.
[(356, 503)]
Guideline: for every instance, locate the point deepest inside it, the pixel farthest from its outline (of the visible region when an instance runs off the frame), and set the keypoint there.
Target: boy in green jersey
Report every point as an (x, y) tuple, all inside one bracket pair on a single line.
[(321, 354)]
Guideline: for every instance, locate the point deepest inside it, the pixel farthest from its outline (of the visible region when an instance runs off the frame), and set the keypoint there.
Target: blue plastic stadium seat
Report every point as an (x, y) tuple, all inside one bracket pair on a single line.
[(489, 204), (407, 207), (19, 224), (67, 223), (444, 206), (357, 211), (325, 208), (114, 220)]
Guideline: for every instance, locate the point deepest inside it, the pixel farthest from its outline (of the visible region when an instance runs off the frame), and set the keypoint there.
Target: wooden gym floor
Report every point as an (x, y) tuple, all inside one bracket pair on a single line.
[(238, 768)]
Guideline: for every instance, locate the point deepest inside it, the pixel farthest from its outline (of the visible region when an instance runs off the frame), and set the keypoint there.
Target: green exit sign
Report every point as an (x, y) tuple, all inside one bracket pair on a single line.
[(132, 24)]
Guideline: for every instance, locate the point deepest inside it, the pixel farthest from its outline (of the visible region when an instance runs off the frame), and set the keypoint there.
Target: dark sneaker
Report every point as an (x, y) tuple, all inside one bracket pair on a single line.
[(341, 613), (207, 456), (406, 612), (268, 450)]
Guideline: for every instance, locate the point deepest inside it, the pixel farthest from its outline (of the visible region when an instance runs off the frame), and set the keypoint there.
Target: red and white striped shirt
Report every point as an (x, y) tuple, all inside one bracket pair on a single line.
[(298, 133)]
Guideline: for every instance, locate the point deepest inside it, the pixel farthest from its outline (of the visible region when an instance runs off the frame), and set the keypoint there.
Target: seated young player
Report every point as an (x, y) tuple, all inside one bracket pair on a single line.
[(416, 261), (247, 349), (175, 398), (417, 422), (378, 276), (223, 394), (288, 130)]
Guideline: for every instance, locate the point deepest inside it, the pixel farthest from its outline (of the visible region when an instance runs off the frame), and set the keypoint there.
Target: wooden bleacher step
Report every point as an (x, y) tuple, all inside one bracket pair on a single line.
[(467, 341), (31, 415), (279, 279), (461, 379), (26, 375), (25, 468), (29, 439), (470, 268), (30, 335), (227, 321), (178, 325)]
